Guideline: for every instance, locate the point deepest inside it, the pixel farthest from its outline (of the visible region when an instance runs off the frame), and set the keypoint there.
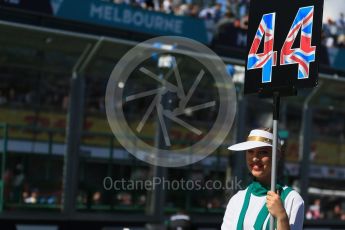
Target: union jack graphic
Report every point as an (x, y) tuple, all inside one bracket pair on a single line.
[(306, 53), (268, 58)]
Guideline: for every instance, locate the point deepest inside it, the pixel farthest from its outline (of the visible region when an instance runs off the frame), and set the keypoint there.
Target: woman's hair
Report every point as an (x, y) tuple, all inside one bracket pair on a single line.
[(270, 130)]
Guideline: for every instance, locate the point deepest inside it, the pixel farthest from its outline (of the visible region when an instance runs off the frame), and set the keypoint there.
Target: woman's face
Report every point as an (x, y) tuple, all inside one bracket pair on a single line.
[(259, 162)]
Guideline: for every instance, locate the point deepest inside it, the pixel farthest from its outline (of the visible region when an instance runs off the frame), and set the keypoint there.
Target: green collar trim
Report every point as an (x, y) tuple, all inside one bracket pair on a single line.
[(258, 189)]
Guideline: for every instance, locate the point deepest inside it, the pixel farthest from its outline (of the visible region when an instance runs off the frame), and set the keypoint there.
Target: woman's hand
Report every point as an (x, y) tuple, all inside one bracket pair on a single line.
[(275, 205)]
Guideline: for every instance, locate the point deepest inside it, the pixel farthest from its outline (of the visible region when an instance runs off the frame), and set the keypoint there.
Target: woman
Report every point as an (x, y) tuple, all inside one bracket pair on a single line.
[(250, 208)]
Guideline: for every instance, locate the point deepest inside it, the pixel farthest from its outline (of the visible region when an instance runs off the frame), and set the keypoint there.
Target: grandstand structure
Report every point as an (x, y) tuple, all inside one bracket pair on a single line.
[(57, 147)]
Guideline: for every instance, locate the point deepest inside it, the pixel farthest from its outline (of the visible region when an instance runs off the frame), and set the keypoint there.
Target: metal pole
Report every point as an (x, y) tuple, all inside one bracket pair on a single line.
[(305, 141), (157, 196), (74, 129), (50, 155), (276, 101), (3, 165), (238, 163), (73, 138)]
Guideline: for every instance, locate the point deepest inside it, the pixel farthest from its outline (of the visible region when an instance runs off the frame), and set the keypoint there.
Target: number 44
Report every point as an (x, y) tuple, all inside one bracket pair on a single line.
[(301, 56)]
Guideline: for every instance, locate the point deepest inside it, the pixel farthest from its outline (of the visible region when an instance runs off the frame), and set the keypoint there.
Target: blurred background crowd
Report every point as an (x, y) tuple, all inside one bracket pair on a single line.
[(234, 12)]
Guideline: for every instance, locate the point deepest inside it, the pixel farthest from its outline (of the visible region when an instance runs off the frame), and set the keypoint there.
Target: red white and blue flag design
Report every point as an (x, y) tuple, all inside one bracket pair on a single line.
[(268, 58), (306, 53)]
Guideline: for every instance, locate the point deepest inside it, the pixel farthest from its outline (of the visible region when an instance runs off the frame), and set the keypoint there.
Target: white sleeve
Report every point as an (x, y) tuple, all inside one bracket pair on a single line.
[(294, 206), (232, 211), (227, 216)]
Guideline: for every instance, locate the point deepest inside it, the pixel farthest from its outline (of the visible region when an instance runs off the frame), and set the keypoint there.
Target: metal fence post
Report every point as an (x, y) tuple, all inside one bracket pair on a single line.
[(3, 165), (74, 129), (305, 142)]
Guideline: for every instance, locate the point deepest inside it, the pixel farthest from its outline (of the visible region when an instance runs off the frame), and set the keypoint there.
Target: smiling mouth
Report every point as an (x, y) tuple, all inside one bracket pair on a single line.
[(256, 166)]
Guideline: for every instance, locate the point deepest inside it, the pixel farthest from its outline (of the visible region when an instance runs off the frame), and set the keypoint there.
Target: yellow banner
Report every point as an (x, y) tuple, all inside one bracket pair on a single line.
[(54, 124)]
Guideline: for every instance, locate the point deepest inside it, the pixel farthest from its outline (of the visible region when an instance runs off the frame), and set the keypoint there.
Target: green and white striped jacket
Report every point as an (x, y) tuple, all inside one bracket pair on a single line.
[(247, 208)]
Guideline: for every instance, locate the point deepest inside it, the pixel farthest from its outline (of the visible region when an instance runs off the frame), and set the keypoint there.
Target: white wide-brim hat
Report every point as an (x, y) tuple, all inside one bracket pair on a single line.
[(257, 138)]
